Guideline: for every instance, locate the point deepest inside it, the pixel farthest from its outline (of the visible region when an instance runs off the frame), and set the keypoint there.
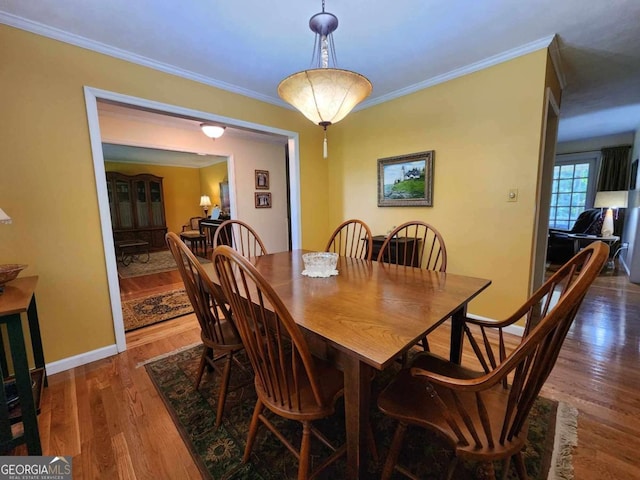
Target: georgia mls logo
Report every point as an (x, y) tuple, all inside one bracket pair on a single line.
[(35, 468)]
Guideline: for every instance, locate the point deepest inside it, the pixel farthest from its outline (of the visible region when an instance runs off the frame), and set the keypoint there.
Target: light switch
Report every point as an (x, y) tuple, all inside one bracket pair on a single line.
[(512, 195)]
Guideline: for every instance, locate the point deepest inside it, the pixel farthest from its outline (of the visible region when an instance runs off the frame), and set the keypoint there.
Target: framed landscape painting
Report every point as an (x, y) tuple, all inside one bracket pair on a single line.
[(406, 181)]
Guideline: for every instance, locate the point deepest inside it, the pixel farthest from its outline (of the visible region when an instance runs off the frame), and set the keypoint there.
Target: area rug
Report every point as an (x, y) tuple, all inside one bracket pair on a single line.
[(218, 453), (158, 262), (155, 308)]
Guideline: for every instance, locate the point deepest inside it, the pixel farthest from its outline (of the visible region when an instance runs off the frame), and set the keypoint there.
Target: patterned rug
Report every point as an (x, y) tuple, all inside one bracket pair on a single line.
[(155, 308), (218, 453), (158, 262)]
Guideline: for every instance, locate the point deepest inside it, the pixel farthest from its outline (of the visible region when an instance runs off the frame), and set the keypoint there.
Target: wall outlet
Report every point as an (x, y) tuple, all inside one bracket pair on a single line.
[(512, 195)]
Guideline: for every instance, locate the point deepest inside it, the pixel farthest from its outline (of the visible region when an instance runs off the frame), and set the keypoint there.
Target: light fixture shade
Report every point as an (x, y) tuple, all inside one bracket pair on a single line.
[(212, 131), (205, 201), (4, 218), (612, 199), (324, 95)]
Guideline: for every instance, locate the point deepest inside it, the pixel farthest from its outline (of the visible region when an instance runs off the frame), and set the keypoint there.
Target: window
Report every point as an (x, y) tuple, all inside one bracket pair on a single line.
[(573, 188)]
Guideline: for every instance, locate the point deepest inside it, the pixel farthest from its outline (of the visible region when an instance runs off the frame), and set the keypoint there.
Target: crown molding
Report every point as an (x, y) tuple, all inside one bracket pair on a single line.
[(459, 72), (82, 42)]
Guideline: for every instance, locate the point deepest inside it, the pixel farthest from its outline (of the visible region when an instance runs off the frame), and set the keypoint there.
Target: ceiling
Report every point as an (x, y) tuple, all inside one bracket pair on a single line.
[(248, 46)]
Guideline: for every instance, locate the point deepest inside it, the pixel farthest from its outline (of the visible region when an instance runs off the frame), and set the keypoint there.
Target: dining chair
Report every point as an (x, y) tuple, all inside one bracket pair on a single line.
[(483, 417), (417, 244), (352, 238), (289, 381), (239, 235), (218, 332)]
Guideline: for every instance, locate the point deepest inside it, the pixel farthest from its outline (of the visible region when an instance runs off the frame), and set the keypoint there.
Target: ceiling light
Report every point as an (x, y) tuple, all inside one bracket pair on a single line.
[(212, 131), (324, 95)]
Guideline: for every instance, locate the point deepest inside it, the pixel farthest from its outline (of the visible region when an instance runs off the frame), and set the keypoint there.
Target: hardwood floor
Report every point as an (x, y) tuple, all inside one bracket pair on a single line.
[(108, 416)]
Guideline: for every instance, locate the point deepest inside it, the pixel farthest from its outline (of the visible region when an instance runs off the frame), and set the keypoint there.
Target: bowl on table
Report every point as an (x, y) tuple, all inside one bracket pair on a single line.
[(320, 264), (8, 272)]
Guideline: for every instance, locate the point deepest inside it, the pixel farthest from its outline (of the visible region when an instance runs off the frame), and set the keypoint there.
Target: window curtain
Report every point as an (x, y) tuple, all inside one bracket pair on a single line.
[(614, 169), (614, 175)]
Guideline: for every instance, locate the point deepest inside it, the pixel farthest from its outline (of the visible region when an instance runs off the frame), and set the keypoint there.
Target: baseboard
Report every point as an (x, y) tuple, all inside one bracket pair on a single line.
[(513, 329), (79, 360)]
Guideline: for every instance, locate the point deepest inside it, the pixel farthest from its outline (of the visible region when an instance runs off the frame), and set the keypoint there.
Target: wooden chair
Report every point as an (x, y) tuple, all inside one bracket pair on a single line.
[(417, 244), (351, 238), (289, 381), (191, 233), (240, 236), (219, 335), (479, 414)]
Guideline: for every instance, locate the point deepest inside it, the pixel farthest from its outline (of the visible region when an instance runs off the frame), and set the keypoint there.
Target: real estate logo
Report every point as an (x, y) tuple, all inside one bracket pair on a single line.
[(35, 468)]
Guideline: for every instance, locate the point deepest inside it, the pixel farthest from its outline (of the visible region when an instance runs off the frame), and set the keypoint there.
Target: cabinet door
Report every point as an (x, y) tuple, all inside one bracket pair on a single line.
[(142, 203), (123, 201), (157, 206)]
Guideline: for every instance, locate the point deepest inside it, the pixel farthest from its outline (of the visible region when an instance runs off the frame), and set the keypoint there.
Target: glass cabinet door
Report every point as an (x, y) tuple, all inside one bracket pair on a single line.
[(142, 205), (124, 204), (157, 209)]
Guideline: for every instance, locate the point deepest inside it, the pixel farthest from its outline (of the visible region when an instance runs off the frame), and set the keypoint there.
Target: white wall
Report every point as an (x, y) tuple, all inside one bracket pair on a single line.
[(245, 155)]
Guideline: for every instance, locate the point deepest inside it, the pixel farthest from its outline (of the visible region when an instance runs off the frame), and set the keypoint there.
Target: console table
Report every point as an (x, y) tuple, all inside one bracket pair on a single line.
[(398, 245), (19, 297)]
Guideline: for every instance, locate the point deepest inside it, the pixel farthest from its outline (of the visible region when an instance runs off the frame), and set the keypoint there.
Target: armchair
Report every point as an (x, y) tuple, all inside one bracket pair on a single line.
[(560, 247)]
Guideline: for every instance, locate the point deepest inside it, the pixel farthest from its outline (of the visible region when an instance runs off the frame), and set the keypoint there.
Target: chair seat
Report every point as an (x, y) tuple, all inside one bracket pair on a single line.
[(410, 399), (232, 340), (191, 234)]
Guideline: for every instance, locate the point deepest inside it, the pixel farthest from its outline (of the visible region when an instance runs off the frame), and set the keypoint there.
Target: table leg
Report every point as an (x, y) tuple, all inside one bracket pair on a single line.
[(23, 383), (357, 393), (36, 338), (457, 334)]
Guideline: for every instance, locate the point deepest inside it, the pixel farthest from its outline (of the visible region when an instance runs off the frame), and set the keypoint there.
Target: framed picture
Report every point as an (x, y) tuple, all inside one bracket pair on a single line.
[(263, 199), (406, 181), (262, 179)]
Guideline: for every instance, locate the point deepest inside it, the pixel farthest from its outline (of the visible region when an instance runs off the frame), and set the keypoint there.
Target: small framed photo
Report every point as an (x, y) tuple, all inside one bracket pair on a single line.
[(262, 179), (406, 181), (263, 199)]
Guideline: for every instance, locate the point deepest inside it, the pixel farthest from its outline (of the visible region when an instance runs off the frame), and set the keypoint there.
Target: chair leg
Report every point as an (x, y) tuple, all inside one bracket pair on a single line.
[(394, 451), (521, 470), (224, 384), (203, 362), (425, 344), (305, 451), (253, 430), (452, 467)]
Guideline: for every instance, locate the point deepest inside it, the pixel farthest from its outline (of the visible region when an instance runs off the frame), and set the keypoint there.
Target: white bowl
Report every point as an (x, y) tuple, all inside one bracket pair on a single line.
[(320, 264)]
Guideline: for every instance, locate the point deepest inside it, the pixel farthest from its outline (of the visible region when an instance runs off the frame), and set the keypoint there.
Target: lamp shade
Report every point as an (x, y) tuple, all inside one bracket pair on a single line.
[(212, 131), (4, 218), (324, 95), (612, 199), (205, 201)]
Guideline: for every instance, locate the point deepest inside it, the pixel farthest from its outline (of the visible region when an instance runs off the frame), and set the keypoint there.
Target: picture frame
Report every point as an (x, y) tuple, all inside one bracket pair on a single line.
[(262, 179), (263, 199), (406, 180)]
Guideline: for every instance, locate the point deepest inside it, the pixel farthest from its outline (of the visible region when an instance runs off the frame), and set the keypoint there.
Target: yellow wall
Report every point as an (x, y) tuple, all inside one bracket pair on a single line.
[(210, 178), (485, 130), (47, 183), (180, 187)]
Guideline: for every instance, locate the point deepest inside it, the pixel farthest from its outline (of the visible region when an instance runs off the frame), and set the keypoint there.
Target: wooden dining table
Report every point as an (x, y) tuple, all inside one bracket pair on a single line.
[(368, 315)]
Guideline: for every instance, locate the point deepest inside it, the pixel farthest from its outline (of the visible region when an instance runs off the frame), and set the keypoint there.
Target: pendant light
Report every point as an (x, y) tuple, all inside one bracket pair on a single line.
[(324, 95)]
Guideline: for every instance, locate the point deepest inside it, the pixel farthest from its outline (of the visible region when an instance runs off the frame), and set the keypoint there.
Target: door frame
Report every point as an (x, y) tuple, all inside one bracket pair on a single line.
[(92, 95)]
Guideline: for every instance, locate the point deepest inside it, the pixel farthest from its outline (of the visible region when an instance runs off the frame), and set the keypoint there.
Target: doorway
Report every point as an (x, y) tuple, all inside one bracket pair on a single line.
[(92, 96)]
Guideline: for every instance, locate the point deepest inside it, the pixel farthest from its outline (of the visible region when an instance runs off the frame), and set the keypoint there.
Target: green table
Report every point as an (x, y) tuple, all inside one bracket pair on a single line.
[(19, 298)]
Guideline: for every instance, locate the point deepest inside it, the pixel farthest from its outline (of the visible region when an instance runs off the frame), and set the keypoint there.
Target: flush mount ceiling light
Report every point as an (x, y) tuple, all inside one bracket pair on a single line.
[(212, 131), (324, 95)]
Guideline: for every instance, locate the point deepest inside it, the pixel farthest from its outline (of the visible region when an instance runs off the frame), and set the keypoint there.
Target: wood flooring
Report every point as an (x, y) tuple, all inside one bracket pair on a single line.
[(108, 415)]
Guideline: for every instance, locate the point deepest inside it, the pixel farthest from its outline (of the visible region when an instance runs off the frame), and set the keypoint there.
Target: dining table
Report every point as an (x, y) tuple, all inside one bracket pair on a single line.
[(367, 316)]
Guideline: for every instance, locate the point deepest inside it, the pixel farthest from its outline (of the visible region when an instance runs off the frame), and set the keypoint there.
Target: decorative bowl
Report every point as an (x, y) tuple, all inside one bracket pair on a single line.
[(320, 264), (9, 271)]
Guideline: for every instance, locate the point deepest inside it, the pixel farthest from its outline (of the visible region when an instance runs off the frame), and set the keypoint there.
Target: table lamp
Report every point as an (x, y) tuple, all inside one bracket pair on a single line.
[(610, 200), (205, 202)]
